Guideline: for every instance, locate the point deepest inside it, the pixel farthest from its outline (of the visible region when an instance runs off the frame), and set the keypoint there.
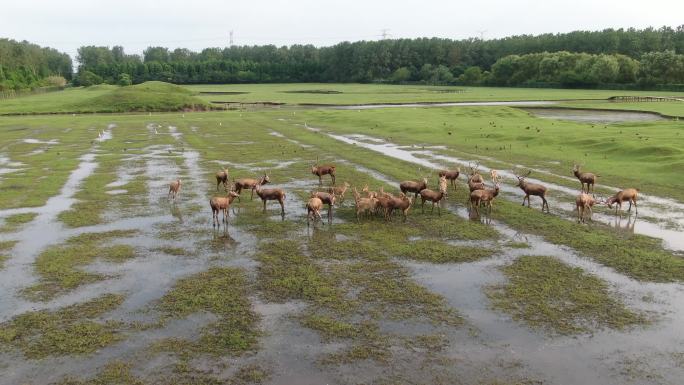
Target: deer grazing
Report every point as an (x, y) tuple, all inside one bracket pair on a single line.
[(221, 204), (326, 198), (584, 203), (249, 183), (450, 175), (627, 195), (585, 178), (339, 191), (271, 194), (364, 205), (174, 189), (320, 170), (434, 196), (486, 196), (222, 177), (413, 186), (313, 210), (532, 189)]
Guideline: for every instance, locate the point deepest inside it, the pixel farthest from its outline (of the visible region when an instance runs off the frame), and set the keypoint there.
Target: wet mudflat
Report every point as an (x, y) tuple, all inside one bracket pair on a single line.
[(143, 289)]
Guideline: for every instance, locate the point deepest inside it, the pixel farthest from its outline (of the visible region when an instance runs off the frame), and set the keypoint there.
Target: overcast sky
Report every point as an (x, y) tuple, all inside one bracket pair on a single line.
[(195, 24)]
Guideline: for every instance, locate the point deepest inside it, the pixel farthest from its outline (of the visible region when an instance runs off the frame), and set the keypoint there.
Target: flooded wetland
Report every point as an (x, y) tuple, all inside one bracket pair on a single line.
[(107, 280)]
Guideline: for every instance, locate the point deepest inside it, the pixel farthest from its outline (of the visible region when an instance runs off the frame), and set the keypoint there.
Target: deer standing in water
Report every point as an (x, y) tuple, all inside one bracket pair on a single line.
[(222, 204), (313, 210), (627, 195), (271, 194), (584, 203), (174, 189), (222, 177), (339, 191), (326, 198), (249, 183)]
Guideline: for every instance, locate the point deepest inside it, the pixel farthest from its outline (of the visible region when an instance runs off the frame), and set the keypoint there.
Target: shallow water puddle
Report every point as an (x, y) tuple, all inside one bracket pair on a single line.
[(594, 115), (649, 206)]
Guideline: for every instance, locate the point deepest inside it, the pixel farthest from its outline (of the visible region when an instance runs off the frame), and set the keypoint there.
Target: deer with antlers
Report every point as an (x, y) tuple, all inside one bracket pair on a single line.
[(584, 203), (320, 170), (174, 189), (413, 186), (474, 173), (271, 194), (313, 210), (364, 205), (450, 175), (434, 196), (250, 183), (222, 204), (532, 189), (222, 177), (587, 178), (486, 196), (627, 195)]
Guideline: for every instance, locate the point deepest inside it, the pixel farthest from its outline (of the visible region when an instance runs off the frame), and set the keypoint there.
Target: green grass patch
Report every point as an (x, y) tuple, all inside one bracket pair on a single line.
[(222, 292), (14, 222), (544, 292), (4, 246), (58, 266), (114, 373), (148, 96), (71, 330)]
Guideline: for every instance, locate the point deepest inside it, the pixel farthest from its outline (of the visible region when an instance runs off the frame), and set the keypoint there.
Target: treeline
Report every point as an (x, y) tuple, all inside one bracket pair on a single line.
[(25, 66)]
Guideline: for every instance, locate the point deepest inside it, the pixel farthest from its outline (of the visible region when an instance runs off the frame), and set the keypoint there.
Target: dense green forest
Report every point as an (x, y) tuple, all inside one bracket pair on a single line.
[(645, 58), (24, 66)]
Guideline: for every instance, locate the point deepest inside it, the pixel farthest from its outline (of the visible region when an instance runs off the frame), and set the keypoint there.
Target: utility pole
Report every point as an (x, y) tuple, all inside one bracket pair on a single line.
[(231, 37)]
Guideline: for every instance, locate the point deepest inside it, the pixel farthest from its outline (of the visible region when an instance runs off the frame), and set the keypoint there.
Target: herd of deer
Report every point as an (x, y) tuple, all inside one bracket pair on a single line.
[(384, 203)]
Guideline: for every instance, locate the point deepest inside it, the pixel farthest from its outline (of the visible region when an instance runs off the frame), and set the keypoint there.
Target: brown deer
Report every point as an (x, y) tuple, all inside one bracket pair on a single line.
[(474, 174), (271, 194), (402, 202), (364, 205), (313, 210), (434, 196), (221, 204), (249, 183), (369, 194), (413, 186), (339, 191), (584, 203), (585, 178), (222, 177), (450, 175), (478, 197), (320, 170), (627, 195), (326, 198), (473, 186), (174, 189), (532, 189)]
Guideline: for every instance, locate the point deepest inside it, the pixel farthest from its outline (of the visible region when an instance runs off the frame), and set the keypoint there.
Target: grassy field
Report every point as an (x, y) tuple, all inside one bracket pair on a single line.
[(141, 290)]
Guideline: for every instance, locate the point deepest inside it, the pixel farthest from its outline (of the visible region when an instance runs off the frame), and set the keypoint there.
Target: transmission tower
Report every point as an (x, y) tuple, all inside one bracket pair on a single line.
[(384, 33), (482, 33), (231, 37)]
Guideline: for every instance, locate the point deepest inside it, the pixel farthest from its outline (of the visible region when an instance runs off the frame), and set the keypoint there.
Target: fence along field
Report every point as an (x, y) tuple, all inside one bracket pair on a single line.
[(268, 298)]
